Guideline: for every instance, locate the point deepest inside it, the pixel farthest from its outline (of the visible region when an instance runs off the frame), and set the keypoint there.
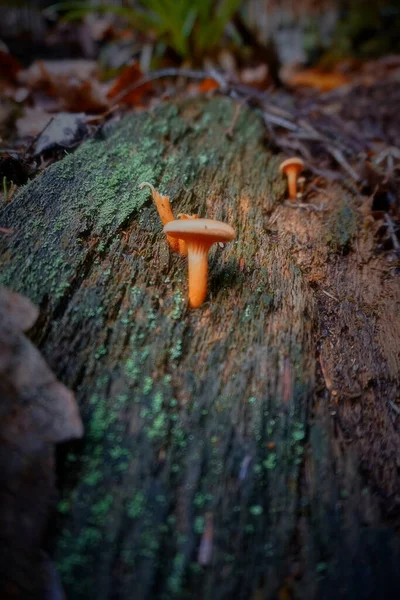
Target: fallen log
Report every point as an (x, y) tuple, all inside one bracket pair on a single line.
[(247, 448)]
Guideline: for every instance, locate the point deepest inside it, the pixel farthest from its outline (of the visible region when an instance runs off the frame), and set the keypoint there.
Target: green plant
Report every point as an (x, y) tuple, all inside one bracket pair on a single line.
[(189, 27)]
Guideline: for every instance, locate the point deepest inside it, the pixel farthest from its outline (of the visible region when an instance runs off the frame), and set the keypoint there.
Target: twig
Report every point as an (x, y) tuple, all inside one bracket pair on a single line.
[(170, 72), (305, 206), (393, 235), (229, 131), (330, 296), (279, 121), (295, 143), (223, 84), (394, 406), (343, 162), (386, 153), (7, 231), (96, 118), (35, 139)]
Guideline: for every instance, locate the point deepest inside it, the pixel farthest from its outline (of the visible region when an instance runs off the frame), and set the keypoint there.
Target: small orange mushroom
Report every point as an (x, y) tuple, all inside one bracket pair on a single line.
[(199, 235), (165, 212), (292, 167), (184, 216)]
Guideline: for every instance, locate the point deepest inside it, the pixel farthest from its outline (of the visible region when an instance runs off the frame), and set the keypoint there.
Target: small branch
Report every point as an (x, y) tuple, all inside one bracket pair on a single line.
[(330, 296), (394, 407), (229, 131), (37, 136), (343, 162), (393, 235), (162, 73), (304, 206), (279, 121)]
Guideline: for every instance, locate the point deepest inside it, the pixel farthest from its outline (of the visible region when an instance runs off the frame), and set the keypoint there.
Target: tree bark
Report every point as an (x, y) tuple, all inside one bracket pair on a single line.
[(245, 449)]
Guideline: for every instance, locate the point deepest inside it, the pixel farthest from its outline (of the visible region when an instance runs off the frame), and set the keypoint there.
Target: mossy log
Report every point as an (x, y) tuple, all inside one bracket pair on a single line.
[(246, 449)]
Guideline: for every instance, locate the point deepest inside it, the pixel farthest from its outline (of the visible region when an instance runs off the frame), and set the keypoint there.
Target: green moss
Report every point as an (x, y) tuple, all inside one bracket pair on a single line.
[(199, 525), (64, 506), (147, 386), (135, 507), (174, 582), (100, 509), (101, 418), (176, 350), (156, 418), (298, 433), (256, 510), (179, 305), (92, 478), (342, 227), (88, 538), (270, 462)]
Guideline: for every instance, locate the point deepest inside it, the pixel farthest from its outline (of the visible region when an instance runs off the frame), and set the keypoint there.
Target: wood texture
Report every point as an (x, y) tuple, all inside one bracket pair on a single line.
[(246, 449)]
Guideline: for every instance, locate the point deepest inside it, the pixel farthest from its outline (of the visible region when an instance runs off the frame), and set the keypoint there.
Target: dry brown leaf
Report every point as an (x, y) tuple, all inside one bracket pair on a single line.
[(207, 85), (41, 71), (9, 67), (129, 76), (256, 76), (318, 79), (34, 404), (73, 82)]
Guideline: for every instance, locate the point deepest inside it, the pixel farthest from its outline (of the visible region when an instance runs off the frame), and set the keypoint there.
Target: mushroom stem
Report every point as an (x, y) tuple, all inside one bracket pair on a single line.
[(198, 273), (292, 183)]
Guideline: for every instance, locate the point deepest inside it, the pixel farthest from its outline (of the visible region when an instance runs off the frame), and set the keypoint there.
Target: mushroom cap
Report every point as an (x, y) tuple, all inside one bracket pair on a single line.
[(295, 163), (206, 230)]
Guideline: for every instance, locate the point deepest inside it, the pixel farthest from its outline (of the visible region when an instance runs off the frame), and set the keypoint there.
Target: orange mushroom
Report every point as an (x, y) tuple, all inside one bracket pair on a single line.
[(292, 167), (165, 212), (199, 235)]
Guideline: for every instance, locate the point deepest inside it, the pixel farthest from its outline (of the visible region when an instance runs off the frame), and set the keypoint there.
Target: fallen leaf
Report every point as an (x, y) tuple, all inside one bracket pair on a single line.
[(36, 411), (63, 132), (129, 76), (41, 71), (81, 96), (207, 85), (34, 404), (74, 83), (19, 312), (255, 76), (318, 79), (9, 67), (8, 114)]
